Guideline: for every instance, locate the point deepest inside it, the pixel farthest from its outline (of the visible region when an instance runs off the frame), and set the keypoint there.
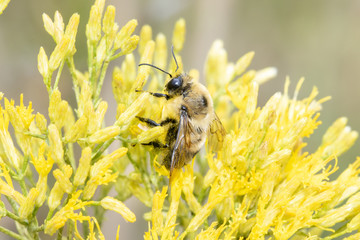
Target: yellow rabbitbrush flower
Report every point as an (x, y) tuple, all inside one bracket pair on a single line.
[(43, 144), (259, 184)]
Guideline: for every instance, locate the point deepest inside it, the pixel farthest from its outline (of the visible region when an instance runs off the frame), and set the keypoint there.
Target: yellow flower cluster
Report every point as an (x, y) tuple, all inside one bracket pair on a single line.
[(260, 185), (41, 157)]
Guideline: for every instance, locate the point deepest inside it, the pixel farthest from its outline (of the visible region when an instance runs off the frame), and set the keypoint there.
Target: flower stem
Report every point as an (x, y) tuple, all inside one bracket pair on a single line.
[(91, 54), (71, 65), (58, 74), (102, 150), (16, 218), (102, 78), (10, 233)]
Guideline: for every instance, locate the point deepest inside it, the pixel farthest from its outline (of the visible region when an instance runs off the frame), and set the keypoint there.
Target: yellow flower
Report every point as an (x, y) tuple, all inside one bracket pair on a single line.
[(66, 213), (28, 206), (111, 203), (104, 134), (57, 192), (83, 168), (100, 172), (56, 148), (7, 189)]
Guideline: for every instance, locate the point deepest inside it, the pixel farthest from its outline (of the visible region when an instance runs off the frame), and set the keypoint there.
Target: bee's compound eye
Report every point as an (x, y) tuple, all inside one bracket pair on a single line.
[(175, 83)]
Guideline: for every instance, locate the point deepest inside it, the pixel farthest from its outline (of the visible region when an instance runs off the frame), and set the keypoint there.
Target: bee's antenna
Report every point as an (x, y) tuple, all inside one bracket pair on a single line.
[(147, 64), (172, 51)]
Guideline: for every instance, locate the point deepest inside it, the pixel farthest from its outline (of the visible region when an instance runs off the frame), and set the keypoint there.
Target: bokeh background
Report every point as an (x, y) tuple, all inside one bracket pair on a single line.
[(318, 40)]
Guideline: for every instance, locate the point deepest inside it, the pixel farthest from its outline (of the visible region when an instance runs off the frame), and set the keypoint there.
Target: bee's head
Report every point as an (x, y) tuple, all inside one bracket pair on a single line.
[(174, 84), (178, 85)]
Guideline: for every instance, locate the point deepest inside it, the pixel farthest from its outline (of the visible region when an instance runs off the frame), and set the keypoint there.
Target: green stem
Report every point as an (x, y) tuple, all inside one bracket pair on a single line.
[(13, 204), (91, 51), (41, 136), (116, 56), (71, 65), (101, 150), (144, 175), (85, 224), (102, 78), (99, 211), (69, 155), (70, 230), (38, 228), (23, 186), (25, 165), (16, 218), (59, 235), (58, 74), (10, 233), (131, 141), (47, 81), (49, 216)]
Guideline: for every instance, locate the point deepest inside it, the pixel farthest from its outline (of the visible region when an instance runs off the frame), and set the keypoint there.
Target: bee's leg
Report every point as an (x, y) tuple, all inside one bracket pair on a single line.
[(168, 121), (156, 144), (150, 122), (159, 95)]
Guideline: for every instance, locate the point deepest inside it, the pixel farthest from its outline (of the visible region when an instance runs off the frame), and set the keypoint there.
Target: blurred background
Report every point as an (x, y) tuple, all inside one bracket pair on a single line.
[(318, 40)]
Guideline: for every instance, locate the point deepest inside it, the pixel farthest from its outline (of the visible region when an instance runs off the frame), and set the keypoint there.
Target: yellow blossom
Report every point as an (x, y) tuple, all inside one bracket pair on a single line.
[(48, 24), (100, 172), (93, 28), (169, 225), (83, 168), (58, 109), (43, 63), (28, 206), (65, 213), (151, 134), (106, 162), (7, 143), (108, 20), (41, 123), (104, 134), (59, 27), (71, 31), (9, 191), (156, 215), (129, 45), (117, 206), (179, 35), (145, 37), (125, 33), (133, 110), (57, 152), (78, 130), (59, 53), (57, 192), (160, 57), (63, 181)]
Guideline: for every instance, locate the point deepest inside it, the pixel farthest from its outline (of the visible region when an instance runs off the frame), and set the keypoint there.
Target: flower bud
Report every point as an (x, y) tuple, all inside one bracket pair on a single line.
[(113, 204)]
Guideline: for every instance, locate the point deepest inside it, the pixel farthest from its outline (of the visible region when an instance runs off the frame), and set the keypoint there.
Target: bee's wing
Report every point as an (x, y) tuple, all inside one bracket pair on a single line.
[(216, 134), (183, 142)]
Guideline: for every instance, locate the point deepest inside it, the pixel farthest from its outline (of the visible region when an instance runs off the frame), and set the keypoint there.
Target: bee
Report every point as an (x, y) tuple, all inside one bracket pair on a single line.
[(189, 118)]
